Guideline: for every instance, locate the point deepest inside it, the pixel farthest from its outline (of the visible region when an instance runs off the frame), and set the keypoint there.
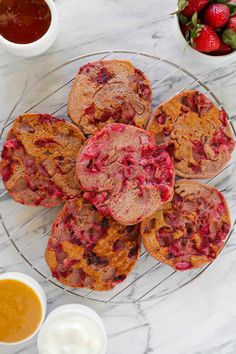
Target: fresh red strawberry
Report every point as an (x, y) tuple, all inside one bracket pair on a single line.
[(216, 15), (224, 49), (188, 7), (232, 24), (204, 39)]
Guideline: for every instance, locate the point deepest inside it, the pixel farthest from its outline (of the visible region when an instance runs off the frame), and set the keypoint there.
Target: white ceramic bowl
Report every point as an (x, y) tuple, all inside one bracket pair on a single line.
[(39, 46), (34, 285), (198, 56), (72, 308)]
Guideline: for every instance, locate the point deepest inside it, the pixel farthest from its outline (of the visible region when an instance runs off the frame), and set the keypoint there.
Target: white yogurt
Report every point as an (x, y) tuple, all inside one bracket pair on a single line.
[(72, 329)]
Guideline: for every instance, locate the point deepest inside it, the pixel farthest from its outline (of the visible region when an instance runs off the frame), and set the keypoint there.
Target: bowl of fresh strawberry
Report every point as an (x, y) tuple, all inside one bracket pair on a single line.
[(208, 28)]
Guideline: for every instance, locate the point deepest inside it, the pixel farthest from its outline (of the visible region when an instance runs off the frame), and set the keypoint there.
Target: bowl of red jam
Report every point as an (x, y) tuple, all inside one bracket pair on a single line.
[(27, 27)]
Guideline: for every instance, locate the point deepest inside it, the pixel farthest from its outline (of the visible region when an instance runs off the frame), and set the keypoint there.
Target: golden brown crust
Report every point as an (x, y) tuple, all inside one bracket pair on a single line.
[(109, 91), (197, 132), (190, 230), (86, 249), (38, 160)]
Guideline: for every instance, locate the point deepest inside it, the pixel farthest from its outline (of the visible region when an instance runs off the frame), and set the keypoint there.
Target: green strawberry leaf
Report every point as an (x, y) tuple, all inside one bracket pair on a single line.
[(196, 31), (182, 4), (194, 19), (232, 8), (183, 19), (229, 37), (190, 25), (222, 1), (194, 34)]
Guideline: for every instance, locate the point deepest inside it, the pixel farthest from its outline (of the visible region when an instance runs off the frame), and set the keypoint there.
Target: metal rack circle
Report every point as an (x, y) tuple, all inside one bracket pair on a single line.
[(150, 279)]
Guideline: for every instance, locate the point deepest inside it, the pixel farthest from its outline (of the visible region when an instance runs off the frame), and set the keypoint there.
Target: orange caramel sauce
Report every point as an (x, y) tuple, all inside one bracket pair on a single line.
[(20, 311)]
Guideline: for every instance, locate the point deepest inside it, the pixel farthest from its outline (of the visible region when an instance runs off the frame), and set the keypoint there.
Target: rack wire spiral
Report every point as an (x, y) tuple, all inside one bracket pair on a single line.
[(28, 228)]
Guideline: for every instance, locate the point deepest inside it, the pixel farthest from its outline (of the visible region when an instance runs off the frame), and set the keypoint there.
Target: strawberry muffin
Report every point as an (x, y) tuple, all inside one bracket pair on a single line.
[(86, 249), (190, 230), (124, 174), (38, 160), (198, 134), (109, 91)]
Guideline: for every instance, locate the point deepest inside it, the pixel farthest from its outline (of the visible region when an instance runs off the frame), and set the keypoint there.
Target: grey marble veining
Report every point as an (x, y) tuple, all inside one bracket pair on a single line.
[(201, 317)]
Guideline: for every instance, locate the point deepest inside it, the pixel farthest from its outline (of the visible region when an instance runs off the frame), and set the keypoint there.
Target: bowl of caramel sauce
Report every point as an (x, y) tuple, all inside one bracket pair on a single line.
[(27, 27), (22, 308)]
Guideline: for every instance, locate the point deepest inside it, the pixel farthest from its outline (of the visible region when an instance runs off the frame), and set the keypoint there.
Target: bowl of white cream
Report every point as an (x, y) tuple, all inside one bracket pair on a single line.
[(72, 329)]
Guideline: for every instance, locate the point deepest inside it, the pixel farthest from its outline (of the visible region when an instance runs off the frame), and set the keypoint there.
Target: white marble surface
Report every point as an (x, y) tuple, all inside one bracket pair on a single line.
[(201, 317)]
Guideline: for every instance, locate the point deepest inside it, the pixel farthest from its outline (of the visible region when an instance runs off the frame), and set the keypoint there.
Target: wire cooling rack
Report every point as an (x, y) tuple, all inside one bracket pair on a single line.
[(28, 228)]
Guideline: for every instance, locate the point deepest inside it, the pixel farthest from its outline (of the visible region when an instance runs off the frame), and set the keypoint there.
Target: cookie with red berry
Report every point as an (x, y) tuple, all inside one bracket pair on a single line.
[(86, 249), (124, 174), (38, 160), (190, 230), (109, 91), (198, 134)]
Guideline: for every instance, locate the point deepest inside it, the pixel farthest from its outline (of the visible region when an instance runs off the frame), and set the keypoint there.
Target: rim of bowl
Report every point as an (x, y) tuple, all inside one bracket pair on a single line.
[(36, 287), (73, 308), (201, 53), (53, 25)]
